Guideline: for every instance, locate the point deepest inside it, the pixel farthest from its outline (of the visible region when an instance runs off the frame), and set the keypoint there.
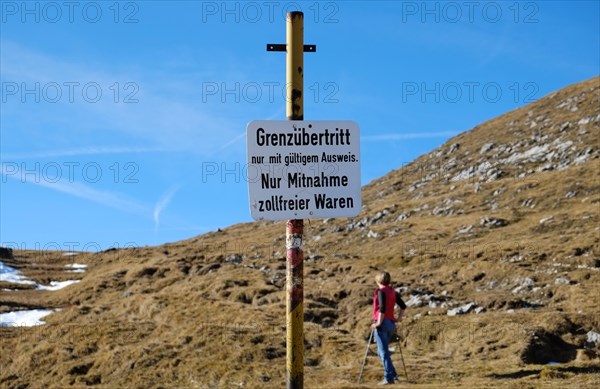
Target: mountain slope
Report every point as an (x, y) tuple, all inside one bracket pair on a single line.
[(499, 224)]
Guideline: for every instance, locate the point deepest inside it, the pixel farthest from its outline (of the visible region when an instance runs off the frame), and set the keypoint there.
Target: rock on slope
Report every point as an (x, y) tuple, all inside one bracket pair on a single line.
[(492, 238)]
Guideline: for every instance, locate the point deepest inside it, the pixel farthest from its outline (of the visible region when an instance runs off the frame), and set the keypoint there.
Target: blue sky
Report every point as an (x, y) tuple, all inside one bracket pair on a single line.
[(123, 124)]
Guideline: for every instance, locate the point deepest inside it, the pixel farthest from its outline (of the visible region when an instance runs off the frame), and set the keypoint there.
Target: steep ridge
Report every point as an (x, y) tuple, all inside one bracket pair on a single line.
[(493, 240)]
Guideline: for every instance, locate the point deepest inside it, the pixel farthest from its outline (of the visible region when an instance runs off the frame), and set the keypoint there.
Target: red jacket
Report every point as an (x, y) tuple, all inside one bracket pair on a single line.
[(389, 295)]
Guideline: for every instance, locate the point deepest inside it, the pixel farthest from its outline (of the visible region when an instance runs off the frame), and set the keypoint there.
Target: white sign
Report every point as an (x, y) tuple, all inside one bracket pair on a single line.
[(303, 169)]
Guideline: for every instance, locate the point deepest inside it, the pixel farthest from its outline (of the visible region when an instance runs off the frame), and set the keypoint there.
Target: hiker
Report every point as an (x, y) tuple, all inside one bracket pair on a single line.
[(385, 299)]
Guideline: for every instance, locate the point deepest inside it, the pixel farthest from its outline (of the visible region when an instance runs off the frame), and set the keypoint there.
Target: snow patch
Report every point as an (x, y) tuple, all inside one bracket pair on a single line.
[(56, 285), (10, 274), (27, 318), (76, 268)]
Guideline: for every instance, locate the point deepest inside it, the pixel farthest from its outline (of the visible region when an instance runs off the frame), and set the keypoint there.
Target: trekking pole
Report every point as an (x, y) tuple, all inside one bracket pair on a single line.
[(402, 356), (366, 353)]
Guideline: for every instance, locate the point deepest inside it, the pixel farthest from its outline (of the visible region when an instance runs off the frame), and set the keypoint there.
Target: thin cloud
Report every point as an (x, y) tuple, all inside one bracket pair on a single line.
[(277, 114), (161, 204), (82, 151), (231, 142), (408, 136), (151, 110), (242, 135), (109, 199)]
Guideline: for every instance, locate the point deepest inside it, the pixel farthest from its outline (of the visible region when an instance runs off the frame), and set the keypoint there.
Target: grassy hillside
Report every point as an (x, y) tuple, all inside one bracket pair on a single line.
[(502, 220)]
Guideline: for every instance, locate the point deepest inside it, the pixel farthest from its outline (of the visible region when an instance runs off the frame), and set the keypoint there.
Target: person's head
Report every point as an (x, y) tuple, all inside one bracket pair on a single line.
[(383, 278)]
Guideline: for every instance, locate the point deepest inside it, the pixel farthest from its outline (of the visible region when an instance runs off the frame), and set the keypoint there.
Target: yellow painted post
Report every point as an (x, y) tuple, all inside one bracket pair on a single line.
[(294, 232), (295, 228), (295, 66)]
